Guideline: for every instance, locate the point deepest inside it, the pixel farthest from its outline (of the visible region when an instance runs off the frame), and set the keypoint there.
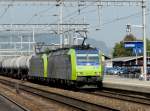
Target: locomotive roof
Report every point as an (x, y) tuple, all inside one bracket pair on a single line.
[(78, 47)]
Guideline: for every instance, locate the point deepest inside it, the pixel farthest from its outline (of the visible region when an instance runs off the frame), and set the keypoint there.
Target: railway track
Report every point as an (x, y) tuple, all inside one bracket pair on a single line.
[(14, 106), (127, 99), (129, 96), (106, 99), (61, 98)]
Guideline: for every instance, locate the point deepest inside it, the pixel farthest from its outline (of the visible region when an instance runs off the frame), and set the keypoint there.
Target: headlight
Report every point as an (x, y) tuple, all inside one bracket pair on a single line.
[(97, 73), (79, 73)]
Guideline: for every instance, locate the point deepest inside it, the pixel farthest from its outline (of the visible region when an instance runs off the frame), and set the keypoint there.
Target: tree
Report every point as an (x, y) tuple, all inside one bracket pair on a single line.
[(148, 45), (119, 50), (129, 37)]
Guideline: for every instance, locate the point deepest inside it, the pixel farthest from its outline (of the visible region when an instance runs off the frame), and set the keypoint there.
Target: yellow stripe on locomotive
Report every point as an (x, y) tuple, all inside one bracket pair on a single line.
[(83, 66)]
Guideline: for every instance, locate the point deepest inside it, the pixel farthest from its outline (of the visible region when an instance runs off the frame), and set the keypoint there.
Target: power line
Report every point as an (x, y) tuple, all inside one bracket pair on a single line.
[(82, 2), (6, 9), (72, 18), (123, 18), (37, 14), (74, 12)]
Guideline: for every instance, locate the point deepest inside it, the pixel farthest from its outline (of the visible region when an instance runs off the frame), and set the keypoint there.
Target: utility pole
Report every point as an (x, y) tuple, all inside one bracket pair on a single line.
[(144, 38), (60, 22), (33, 39), (74, 3)]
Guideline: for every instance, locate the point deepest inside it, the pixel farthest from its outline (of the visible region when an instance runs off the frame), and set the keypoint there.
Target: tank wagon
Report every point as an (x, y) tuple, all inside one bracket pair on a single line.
[(70, 66), (15, 66)]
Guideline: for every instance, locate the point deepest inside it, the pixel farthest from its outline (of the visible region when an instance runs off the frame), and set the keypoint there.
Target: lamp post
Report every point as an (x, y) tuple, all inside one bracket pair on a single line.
[(144, 37)]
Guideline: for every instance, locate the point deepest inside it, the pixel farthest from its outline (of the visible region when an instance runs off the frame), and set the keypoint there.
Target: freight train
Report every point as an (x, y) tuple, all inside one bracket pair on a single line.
[(73, 66)]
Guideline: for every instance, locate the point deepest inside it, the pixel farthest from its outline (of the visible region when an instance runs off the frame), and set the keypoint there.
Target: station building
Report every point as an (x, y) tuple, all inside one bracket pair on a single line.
[(127, 62)]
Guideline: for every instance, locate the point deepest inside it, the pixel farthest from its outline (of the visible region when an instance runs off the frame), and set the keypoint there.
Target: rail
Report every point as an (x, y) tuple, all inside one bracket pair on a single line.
[(129, 96), (15, 104), (61, 98)]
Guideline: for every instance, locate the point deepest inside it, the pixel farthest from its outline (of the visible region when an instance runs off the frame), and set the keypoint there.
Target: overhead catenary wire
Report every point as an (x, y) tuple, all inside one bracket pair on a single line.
[(37, 14), (74, 12), (6, 9), (123, 18), (70, 16), (75, 16)]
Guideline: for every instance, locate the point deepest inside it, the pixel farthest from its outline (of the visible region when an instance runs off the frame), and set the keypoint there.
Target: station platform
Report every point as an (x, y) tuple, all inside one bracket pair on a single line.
[(117, 82)]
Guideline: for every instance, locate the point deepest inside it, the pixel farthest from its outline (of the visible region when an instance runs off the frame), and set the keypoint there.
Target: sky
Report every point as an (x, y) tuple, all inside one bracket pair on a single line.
[(111, 21)]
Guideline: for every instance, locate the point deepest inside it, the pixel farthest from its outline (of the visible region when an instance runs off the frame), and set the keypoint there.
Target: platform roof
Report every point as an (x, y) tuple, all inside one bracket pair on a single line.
[(125, 59)]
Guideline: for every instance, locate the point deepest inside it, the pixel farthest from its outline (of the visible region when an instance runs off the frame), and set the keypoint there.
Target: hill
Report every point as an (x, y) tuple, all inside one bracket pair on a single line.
[(49, 39)]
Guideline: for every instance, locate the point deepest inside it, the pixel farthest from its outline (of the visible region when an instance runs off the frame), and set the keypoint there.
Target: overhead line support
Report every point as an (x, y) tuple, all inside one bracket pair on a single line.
[(78, 2)]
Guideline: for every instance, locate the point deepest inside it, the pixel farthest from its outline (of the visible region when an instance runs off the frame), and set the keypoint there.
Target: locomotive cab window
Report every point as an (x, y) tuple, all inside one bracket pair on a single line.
[(87, 58)]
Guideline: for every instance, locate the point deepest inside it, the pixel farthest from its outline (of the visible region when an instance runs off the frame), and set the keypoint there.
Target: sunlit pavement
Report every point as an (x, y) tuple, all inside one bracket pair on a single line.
[(123, 80)]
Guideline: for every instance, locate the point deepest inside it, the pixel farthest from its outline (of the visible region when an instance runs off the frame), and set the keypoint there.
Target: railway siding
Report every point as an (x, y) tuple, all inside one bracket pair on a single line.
[(78, 100), (32, 102)]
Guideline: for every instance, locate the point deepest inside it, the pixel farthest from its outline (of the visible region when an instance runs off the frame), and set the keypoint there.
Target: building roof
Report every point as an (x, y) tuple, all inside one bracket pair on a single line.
[(124, 59)]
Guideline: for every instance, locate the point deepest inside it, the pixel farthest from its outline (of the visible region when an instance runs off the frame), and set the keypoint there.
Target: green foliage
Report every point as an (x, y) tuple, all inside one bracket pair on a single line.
[(129, 37), (148, 45), (119, 50)]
